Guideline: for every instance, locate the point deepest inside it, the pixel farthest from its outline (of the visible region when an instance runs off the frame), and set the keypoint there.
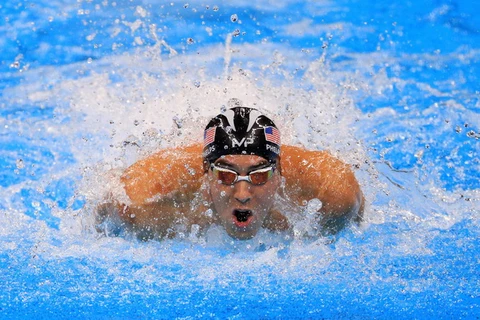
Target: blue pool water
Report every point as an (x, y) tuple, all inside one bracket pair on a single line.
[(391, 87)]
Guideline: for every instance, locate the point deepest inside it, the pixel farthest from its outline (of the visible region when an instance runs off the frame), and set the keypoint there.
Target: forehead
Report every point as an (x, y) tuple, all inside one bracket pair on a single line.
[(242, 161)]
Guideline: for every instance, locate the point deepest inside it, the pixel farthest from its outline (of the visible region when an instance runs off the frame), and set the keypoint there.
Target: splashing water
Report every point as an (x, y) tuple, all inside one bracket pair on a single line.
[(89, 87)]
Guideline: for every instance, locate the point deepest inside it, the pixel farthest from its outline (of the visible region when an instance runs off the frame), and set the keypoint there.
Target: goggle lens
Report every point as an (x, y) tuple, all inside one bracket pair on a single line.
[(225, 176), (260, 177)]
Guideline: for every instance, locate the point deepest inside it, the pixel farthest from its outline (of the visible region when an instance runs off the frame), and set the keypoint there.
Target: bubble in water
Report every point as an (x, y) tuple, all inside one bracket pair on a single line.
[(234, 18), (223, 193), (186, 5), (136, 123), (236, 33), (190, 41), (215, 8), (223, 109), (197, 84)]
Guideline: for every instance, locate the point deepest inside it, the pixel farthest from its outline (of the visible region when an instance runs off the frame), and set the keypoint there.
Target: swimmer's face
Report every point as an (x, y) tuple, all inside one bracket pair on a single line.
[(242, 207)]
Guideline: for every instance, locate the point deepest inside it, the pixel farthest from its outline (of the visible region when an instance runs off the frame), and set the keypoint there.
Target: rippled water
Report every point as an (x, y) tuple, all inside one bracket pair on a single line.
[(88, 87)]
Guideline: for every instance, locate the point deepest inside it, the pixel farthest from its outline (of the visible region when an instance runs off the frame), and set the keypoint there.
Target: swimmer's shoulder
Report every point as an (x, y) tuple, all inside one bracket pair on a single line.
[(318, 174), (168, 172)]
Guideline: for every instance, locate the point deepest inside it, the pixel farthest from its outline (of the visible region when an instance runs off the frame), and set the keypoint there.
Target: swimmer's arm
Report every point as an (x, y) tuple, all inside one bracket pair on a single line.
[(159, 190), (317, 174), (146, 221)]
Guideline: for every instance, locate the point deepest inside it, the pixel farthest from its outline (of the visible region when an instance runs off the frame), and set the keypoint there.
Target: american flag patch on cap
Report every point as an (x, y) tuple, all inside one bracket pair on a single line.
[(209, 136), (272, 135)]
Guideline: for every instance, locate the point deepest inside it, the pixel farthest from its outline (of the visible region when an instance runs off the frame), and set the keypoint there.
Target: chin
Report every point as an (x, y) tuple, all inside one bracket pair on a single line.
[(237, 234), (242, 235)]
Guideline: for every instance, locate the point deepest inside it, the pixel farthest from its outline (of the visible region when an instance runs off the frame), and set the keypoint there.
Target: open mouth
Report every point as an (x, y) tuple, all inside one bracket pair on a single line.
[(242, 217)]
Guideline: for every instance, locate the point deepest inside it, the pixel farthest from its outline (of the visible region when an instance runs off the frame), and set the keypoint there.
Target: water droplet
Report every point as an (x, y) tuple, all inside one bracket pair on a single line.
[(314, 206), (234, 18), (20, 164), (89, 60), (209, 213), (178, 122), (132, 215)]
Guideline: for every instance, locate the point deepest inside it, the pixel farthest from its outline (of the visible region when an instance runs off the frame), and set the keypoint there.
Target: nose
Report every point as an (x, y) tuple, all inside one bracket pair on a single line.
[(242, 192)]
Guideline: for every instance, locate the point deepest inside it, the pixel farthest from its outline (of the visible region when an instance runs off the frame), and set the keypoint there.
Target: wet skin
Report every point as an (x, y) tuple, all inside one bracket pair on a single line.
[(160, 193), (242, 208)]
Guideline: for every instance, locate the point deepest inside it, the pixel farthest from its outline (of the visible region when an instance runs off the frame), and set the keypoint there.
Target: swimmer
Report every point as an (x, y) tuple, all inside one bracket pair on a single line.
[(234, 180)]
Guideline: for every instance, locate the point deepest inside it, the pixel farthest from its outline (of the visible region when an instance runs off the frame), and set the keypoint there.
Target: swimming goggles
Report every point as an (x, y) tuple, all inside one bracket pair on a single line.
[(255, 177)]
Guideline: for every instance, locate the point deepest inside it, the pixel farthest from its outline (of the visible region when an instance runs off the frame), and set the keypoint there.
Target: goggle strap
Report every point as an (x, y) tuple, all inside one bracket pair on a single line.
[(247, 178)]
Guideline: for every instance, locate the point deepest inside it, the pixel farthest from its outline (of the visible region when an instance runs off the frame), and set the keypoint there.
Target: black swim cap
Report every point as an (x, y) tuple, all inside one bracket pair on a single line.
[(241, 130)]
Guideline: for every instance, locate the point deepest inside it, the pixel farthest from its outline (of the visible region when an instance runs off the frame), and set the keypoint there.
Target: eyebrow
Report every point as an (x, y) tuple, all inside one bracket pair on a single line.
[(228, 165)]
